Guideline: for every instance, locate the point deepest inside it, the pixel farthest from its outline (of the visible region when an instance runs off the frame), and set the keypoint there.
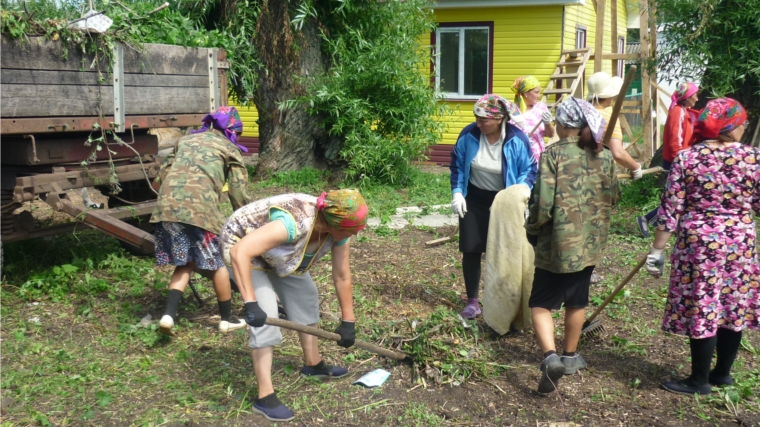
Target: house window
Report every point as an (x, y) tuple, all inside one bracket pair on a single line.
[(580, 37), (621, 64), (463, 60)]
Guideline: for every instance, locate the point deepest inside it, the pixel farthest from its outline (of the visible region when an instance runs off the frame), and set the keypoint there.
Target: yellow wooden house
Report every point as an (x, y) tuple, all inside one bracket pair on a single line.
[(482, 46)]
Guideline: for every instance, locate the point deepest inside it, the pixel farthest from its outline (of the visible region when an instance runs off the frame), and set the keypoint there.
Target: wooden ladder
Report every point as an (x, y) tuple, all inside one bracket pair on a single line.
[(570, 68)]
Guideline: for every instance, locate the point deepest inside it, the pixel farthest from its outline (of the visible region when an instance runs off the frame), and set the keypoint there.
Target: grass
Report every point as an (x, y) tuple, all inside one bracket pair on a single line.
[(76, 351)]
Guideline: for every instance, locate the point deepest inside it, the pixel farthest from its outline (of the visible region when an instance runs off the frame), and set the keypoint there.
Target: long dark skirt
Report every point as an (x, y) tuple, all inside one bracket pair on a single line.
[(178, 244), (473, 228)]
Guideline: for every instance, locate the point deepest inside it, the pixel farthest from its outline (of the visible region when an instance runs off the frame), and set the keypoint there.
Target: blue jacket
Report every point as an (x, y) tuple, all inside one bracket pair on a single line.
[(518, 165)]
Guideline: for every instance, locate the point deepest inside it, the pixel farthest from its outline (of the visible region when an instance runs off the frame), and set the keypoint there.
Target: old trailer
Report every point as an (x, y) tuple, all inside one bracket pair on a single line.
[(54, 99)]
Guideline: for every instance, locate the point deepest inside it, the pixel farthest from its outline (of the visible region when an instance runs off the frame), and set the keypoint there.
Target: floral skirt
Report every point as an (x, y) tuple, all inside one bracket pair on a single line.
[(178, 244)]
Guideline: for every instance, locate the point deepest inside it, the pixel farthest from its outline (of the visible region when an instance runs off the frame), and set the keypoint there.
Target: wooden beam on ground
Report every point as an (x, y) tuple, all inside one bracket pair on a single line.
[(599, 39)]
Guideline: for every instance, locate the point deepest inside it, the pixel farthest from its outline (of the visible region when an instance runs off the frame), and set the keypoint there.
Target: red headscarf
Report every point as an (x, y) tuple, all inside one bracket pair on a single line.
[(719, 116)]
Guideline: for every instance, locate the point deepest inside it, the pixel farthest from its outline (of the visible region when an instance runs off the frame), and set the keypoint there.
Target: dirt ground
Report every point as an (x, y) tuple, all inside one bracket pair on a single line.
[(398, 277)]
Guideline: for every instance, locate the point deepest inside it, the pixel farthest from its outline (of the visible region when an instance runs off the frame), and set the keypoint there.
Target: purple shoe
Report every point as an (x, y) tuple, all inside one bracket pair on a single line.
[(471, 311), (272, 409)]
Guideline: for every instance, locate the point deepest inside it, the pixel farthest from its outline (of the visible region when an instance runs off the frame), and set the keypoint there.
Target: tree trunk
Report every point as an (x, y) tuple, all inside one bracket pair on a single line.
[(290, 139)]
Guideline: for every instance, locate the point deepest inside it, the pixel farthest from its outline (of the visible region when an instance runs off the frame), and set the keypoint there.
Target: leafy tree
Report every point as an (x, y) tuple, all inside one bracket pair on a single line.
[(717, 41)]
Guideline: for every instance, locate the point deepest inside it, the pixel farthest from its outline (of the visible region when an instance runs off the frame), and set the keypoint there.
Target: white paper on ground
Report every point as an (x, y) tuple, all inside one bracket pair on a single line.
[(374, 378)]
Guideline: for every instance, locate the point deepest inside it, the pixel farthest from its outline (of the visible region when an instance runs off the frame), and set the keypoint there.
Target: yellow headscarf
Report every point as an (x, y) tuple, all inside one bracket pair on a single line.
[(523, 85)]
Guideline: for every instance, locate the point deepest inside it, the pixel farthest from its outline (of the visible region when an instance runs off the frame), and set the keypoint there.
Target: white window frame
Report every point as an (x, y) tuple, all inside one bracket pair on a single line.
[(621, 63), (460, 74), (580, 30)]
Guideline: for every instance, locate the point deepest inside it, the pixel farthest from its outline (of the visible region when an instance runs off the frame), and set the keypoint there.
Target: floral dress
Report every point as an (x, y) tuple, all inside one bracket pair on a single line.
[(532, 118), (708, 203)]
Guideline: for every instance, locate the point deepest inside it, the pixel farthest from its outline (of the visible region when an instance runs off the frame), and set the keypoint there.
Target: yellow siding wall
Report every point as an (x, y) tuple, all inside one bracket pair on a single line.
[(249, 115), (526, 41), (585, 15)]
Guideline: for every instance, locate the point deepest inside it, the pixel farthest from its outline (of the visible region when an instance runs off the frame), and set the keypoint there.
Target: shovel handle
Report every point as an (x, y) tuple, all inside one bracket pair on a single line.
[(655, 169), (274, 321), (617, 289)]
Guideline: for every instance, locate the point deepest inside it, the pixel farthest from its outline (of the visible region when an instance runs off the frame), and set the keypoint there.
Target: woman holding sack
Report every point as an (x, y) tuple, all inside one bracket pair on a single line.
[(676, 137), (568, 225), (271, 244), (714, 292), (527, 94), (489, 156), (188, 216)]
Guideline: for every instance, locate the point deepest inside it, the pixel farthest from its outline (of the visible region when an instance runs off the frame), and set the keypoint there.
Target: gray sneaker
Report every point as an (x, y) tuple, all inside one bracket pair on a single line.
[(552, 370), (573, 364)]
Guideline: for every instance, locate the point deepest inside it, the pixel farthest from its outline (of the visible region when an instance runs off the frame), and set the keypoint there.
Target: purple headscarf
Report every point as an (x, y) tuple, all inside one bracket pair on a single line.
[(227, 120), (576, 113)]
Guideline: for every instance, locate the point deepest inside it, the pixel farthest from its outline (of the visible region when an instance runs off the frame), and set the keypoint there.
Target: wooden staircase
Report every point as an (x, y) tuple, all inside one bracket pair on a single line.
[(569, 72)]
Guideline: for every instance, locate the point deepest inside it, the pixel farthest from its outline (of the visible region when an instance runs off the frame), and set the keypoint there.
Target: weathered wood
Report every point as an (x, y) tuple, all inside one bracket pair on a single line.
[(40, 54), (599, 39), (42, 77), (64, 100), (646, 100), (613, 31), (620, 56)]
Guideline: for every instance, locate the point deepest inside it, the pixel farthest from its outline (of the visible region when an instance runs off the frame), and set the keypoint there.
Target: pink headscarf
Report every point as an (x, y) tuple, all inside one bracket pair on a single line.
[(684, 90)]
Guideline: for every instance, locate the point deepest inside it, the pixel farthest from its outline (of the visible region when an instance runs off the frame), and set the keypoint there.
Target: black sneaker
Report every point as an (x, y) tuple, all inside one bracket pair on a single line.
[(641, 221), (272, 409), (573, 364), (719, 380), (323, 371), (686, 386), (552, 370)]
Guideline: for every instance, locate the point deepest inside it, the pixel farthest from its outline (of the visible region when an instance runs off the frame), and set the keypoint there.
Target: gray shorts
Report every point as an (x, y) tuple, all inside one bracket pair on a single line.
[(298, 295)]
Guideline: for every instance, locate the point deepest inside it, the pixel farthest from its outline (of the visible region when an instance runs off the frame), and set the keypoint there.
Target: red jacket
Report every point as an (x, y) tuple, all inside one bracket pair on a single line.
[(679, 127)]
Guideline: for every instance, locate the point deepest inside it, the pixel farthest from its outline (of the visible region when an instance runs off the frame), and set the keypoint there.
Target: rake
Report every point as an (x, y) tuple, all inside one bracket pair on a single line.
[(592, 326)]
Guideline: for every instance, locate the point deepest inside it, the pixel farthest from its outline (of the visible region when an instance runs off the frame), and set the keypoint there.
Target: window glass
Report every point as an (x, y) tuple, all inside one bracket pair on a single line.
[(449, 62), (463, 63), (475, 61)]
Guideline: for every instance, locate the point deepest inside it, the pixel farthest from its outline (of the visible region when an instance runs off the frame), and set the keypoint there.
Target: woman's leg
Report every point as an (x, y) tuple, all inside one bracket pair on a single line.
[(727, 349), (574, 318), (262, 368), (471, 272), (543, 324), (177, 285), (701, 357)]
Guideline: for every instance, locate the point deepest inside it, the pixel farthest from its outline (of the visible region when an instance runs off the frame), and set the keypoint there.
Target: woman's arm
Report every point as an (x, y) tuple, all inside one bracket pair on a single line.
[(341, 275), (621, 156), (254, 244)]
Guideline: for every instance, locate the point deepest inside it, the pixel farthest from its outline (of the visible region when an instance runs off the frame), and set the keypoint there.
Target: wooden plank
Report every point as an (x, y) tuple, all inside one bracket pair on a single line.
[(166, 59), (599, 39), (574, 51), (623, 56), (61, 100), (564, 76), (614, 34), (556, 91), (646, 110), (625, 126), (40, 77), (40, 54), (631, 103)]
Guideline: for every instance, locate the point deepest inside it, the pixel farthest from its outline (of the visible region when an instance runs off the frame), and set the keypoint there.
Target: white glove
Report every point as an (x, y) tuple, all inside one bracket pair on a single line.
[(546, 117), (637, 174), (458, 205), (655, 262)]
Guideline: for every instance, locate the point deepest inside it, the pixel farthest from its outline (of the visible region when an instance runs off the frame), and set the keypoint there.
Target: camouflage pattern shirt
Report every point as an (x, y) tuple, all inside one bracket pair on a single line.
[(192, 178), (570, 206)]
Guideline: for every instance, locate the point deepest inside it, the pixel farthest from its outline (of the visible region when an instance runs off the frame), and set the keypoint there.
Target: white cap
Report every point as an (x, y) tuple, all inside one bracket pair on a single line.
[(602, 86)]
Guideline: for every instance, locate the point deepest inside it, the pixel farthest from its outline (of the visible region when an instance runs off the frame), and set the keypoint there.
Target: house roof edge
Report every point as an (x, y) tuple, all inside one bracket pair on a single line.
[(461, 4)]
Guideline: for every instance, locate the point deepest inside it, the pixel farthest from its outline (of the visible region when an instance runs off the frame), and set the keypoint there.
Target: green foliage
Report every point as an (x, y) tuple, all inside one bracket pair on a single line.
[(306, 180), (643, 194), (718, 40), (377, 95)]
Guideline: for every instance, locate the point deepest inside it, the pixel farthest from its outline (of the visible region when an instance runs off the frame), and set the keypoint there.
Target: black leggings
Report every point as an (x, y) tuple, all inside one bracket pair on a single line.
[(471, 272), (727, 343)]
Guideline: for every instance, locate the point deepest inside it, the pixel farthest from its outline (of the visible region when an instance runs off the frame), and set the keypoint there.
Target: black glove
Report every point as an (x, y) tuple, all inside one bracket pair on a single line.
[(532, 239), (254, 315), (347, 332)]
